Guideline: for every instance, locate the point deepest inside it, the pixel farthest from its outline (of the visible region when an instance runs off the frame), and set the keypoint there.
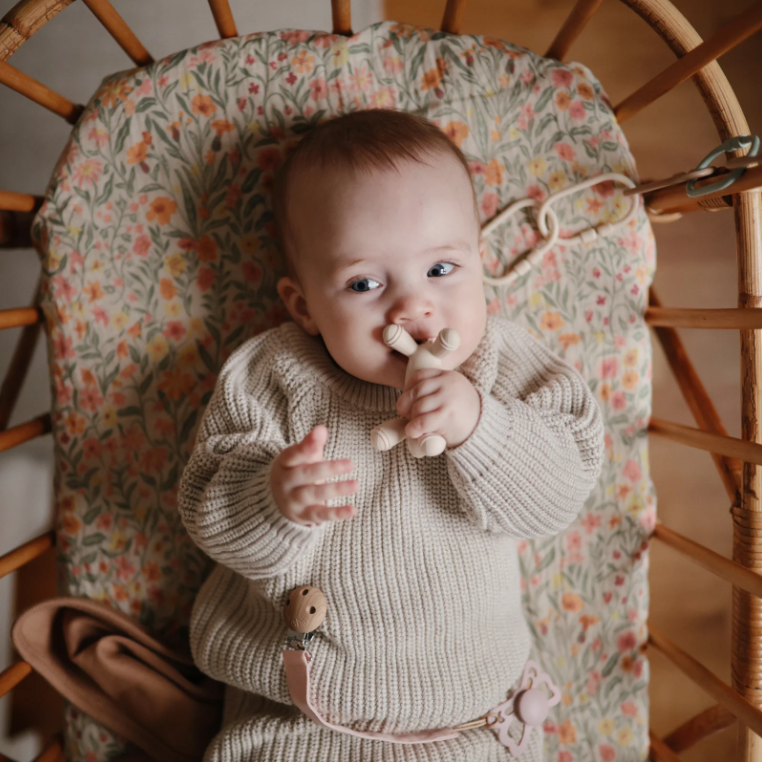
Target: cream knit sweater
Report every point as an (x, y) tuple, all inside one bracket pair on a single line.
[(425, 626)]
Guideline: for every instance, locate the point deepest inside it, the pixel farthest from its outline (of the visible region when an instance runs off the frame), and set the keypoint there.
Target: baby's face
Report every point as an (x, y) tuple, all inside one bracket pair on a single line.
[(383, 248)]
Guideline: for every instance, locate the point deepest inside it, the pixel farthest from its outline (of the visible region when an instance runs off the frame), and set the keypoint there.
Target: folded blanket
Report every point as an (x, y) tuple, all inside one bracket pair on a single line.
[(116, 671)]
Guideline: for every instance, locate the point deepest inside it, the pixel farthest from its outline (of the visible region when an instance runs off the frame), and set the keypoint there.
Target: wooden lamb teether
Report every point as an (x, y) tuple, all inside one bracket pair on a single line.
[(426, 355)]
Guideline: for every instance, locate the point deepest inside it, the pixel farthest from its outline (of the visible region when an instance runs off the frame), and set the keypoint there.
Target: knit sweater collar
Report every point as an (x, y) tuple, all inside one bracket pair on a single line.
[(317, 366)]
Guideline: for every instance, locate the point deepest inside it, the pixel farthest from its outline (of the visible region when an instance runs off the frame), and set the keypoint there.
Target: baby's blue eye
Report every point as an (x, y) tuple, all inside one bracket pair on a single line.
[(438, 269), (363, 285)]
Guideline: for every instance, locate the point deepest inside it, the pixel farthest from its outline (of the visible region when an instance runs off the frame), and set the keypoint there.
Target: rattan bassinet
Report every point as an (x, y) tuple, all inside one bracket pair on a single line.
[(737, 460)]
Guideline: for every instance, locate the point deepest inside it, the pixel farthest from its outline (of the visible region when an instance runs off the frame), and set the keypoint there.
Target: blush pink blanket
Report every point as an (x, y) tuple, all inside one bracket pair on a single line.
[(116, 671)]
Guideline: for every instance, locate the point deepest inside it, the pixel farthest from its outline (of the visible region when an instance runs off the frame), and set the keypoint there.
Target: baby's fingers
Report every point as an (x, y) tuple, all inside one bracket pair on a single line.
[(317, 514), (315, 493), (316, 472)]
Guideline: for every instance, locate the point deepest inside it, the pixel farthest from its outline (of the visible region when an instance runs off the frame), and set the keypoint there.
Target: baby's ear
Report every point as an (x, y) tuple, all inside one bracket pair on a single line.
[(293, 297)]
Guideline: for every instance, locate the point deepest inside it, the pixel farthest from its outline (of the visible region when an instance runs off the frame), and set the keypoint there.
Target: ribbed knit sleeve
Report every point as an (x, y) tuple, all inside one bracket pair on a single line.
[(537, 450), (225, 499)]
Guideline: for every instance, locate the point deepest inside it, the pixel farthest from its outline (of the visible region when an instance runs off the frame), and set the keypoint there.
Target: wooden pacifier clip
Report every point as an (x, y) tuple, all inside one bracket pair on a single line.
[(305, 611)]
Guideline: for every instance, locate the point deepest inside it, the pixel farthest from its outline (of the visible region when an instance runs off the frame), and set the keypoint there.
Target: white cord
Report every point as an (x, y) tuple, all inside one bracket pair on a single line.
[(550, 233)]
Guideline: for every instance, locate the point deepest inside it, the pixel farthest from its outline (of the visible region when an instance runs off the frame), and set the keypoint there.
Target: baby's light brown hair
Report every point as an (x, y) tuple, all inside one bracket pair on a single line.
[(361, 141)]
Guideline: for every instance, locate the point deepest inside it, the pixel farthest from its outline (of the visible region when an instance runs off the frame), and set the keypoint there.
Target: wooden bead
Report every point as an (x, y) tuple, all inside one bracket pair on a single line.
[(305, 609)]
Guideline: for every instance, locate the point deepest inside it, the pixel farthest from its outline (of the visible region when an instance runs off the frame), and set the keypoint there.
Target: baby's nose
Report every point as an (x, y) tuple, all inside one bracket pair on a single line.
[(410, 307)]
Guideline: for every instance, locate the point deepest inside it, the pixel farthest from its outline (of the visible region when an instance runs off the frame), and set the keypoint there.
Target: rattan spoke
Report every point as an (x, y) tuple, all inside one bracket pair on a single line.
[(19, 202), (18, 367), (576, 21), (39, 93), (23, 20), (223, 18), (732, 34), (341, 14), (703, 725), (749, 452), (25, 553), (17, 435), (19, 316), (719, 691), (730, 571), (12, 676), (660, 751), (697, 398), (118, 29), (675, 317), (673, 200), (52, 752), (453, 16)]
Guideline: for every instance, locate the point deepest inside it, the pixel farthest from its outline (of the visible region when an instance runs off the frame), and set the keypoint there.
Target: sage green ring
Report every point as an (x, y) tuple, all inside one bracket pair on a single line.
[(732, 144)]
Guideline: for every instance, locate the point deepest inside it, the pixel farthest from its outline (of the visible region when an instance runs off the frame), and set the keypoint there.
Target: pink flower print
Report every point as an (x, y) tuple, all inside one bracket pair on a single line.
[(101, 316), (565, 756), (91, 448), (626, 641), (87, 172), (291, 78), (609, 367), (536, 192), (360, 80), (608, 754), (319, 89), (326, 40), (564, 151), (591, 522), (90, 398), (577, 110), (125, 570), (292, 37), (174, 330), (145, 87), (562, 78), (618, 401), (104, 521), (489, 205), (527, 112), (62, 346), (593, 682), (527, 77), (574, 541), (141, 245), (63, 289)]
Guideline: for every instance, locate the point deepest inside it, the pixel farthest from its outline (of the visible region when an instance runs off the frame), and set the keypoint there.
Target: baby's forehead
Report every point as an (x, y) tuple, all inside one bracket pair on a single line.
[(337, 207)]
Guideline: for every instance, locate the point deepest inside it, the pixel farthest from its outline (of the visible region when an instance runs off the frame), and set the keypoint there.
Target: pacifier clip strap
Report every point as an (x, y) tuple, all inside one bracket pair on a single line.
[(298, 678)]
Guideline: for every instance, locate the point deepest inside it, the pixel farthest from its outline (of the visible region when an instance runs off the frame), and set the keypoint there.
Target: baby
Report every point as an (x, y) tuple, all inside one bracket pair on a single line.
[(378, 223)]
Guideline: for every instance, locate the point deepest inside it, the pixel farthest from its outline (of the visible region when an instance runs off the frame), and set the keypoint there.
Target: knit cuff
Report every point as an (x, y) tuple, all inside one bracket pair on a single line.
[(487, 443), (250, 534)]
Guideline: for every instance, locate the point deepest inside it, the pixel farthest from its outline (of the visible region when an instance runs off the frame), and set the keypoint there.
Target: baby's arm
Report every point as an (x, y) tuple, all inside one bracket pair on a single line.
[(537, 450), (226, 498)]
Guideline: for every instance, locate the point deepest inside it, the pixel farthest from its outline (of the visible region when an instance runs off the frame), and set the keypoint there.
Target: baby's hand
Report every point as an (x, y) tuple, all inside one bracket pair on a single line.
[(440, 402), (297, 480)]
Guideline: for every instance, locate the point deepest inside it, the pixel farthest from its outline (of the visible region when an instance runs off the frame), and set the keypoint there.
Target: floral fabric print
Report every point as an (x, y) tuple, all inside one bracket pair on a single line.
[(156, 238)]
